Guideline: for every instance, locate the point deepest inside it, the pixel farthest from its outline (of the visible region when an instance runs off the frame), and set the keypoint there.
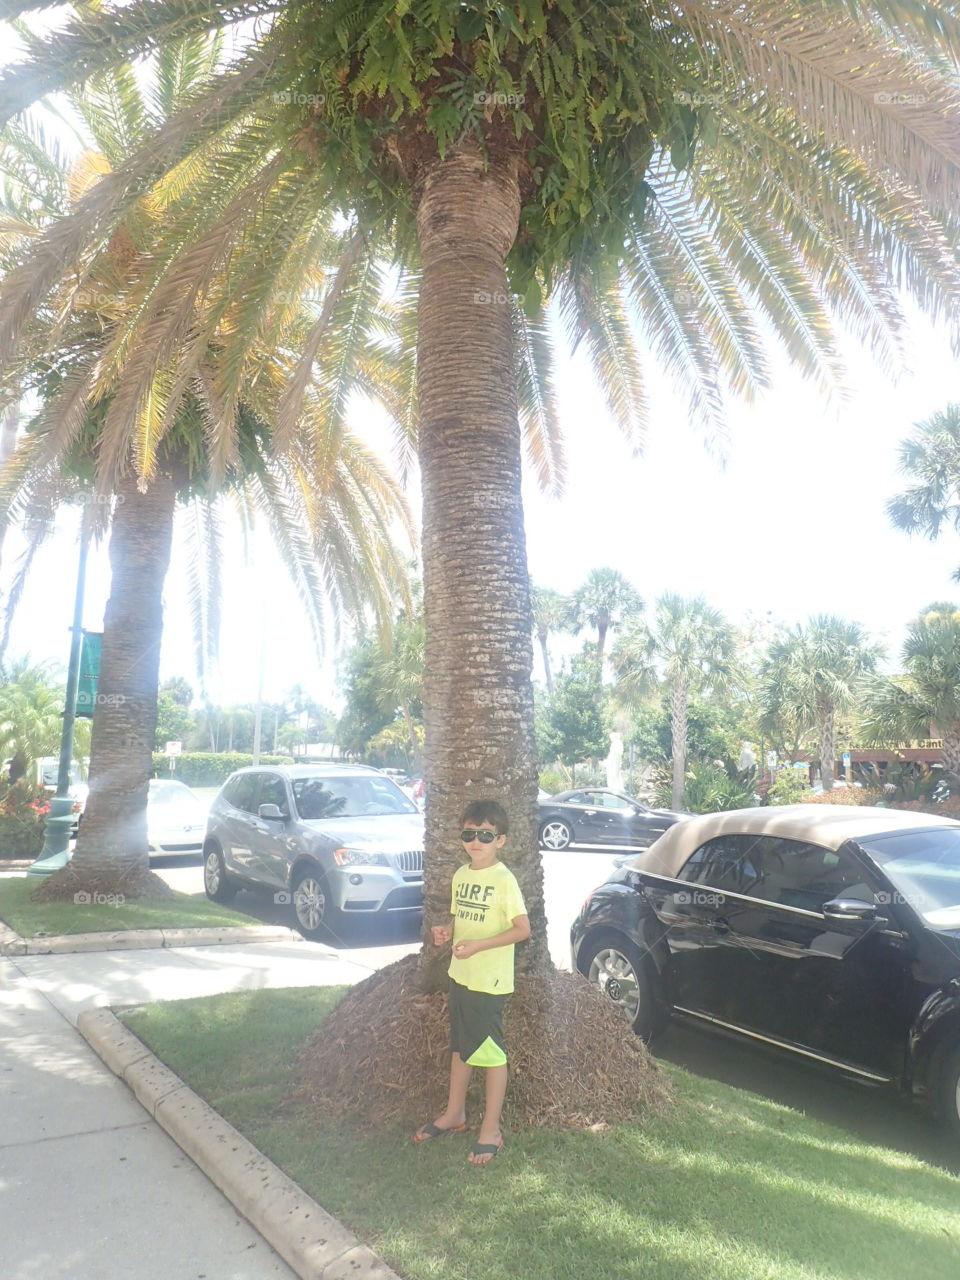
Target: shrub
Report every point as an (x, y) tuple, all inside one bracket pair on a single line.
[(23, 808), (710, 787), (208, 768), (553, 781), (949, 808), (845, 795), (790, 786)]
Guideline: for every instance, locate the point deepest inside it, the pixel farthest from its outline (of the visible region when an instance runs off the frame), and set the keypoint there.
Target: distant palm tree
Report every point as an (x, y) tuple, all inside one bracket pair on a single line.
[(549, 610), (689, 648), (31, 714), (820, 667), (932, 457), (926, 697), (604, 601)]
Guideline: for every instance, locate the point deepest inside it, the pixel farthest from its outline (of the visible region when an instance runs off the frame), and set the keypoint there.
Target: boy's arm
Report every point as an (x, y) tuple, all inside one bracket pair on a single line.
[(518, 932)]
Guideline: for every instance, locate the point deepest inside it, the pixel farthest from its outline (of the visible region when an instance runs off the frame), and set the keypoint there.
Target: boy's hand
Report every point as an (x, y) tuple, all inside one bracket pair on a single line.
[(464, 950), (442, 933)]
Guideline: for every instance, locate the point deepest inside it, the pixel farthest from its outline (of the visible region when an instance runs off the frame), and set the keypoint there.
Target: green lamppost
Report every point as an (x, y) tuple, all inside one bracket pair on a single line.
[(56, 843)]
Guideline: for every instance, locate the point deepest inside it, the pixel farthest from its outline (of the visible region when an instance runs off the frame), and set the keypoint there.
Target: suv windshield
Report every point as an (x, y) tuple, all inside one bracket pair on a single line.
[(358, 797), (924, 866)]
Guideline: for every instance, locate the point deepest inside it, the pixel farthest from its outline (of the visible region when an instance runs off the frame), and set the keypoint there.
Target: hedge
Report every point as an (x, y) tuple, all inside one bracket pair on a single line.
[(208, 768)]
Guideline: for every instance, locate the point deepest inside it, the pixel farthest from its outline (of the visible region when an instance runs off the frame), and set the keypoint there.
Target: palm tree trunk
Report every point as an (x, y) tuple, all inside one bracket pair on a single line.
[(826, 720), (112, 844), (950, 751), (679, 699), (543, 635), (478, 702), (601, 645)]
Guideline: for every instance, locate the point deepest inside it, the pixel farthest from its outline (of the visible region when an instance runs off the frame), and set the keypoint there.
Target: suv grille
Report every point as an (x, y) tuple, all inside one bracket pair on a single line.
[(410, 862)]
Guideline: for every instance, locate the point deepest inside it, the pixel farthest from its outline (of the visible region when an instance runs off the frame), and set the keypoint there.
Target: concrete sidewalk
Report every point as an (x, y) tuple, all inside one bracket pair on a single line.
[(90, 1187)]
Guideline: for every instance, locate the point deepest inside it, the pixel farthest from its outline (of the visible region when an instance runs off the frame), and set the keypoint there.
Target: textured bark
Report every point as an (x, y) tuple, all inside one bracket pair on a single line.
[(950, 751), (601, 644), (826, 722), (478, 696), (113, 835), (679, 700)]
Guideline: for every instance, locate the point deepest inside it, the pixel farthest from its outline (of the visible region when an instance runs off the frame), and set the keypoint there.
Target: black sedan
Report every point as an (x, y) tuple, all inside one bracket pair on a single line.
[(830, 933), (596, 816)]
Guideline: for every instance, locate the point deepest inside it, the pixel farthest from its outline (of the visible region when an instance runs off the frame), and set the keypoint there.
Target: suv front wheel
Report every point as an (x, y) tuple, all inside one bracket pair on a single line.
[(215, 883), (313, 908)]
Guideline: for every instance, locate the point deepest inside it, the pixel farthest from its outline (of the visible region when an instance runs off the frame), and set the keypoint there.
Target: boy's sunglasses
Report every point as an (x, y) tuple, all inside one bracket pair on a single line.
[(469, 834)]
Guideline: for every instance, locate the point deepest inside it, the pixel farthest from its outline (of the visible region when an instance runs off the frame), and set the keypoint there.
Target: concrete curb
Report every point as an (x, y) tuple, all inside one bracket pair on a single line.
[(11, 944), (309, 1239)]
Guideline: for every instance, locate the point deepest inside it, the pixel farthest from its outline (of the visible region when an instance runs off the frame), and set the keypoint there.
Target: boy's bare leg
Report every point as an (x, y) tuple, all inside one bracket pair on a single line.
[(455, 1113), (495, 1088)]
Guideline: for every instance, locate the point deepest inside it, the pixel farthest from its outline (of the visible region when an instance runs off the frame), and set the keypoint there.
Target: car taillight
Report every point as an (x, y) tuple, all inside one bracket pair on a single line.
[(586, 901)]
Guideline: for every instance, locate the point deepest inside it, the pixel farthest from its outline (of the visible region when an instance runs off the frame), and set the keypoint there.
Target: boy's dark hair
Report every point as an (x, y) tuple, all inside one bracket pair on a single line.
[(486, 811)]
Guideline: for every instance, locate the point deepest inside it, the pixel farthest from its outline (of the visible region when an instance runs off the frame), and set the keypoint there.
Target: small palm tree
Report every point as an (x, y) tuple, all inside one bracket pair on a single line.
[(819, 668), (926, 697), (550, 610), (689, 648), (932, 458), (31, 711), (605, 600)]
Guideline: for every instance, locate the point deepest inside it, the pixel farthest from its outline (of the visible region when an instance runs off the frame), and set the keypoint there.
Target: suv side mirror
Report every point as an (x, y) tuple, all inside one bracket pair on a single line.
[(271, 812), (850, 909)]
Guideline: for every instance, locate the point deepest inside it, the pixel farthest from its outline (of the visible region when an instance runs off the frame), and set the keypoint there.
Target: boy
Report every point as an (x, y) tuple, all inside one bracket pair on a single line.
[(489, 918)]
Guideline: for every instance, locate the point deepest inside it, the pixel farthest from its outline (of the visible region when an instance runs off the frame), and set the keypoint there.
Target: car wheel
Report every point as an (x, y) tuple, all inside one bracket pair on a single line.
[(618, 969), (216, 883), (313, 909), (948, 1092), (556, 834)]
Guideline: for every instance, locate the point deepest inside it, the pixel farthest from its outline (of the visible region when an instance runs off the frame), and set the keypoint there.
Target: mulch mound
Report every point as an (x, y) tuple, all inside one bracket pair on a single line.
[(62, 886), (382, 1056)]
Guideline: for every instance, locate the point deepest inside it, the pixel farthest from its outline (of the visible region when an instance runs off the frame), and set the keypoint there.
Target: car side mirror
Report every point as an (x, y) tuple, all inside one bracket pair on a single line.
[(271, 812), (850, 909)]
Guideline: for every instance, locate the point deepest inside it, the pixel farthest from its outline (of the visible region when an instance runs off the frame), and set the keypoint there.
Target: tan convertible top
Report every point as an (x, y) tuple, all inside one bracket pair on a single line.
[(824, 824)]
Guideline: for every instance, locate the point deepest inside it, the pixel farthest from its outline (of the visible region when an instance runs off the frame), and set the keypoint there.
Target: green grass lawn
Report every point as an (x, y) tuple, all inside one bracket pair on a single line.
[(46, 919), (727, 1186)]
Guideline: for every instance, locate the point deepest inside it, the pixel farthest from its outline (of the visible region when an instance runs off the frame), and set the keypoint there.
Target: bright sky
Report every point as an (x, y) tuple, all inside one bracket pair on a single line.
[(793, 524)]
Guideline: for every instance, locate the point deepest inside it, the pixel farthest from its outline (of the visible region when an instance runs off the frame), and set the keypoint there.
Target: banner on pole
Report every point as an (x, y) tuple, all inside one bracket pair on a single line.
[(89, 674)]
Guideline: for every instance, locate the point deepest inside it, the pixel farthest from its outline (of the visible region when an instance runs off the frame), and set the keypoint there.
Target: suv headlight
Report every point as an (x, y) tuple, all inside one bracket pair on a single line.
[(358, 858)]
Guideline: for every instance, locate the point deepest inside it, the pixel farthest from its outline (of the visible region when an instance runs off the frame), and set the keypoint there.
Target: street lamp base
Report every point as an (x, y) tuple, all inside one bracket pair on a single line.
[(55, 853)]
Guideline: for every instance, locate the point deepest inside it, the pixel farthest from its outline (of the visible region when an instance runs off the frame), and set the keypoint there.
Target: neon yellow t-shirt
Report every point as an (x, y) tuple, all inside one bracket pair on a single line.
[(484, 903)]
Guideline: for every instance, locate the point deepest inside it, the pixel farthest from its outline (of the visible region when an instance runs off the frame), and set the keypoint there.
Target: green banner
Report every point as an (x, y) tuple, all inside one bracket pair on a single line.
[(89, 673)]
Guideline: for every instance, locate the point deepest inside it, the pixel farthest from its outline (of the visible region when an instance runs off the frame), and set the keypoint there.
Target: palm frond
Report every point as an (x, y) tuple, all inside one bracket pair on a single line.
[(536, 398)]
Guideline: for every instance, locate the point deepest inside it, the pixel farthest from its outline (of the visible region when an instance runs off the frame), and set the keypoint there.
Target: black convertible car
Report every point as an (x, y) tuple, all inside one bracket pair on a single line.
[(831, 933), (596, 816)]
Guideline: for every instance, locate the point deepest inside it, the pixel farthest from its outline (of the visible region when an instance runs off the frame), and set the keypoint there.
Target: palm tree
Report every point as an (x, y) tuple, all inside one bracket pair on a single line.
[(696, 170), (31, 708), (549, 610), (691, 648), (605, 600), (330, 504), (819, 667), (927, 696), (932, 458), (399, 671)]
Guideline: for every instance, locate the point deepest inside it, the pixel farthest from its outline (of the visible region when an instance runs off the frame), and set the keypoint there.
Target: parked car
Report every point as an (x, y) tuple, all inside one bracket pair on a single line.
[(48, 769), (176, 819), (336, 841), (596, 816), (831, 933)]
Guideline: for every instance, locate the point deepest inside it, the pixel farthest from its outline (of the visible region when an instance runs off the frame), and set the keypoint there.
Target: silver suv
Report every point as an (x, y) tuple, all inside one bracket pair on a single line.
[(337, 841)]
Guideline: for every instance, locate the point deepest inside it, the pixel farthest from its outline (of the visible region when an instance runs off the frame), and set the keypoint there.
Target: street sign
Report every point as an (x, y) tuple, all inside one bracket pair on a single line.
[(846, 759), (174, 748), (771, 759), (89, 674)]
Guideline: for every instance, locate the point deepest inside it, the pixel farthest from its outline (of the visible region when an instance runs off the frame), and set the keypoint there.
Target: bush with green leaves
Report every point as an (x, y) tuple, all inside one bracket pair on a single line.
[(208, 768), (710, 786), (790, 786)]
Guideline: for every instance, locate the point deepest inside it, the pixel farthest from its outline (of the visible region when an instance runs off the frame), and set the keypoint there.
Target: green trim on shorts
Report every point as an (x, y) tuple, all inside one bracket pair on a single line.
[(489, 1054)]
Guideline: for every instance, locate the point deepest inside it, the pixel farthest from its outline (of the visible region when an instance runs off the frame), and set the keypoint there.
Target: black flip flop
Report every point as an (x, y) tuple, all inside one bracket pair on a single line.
[(431, 1131), (491, 1149)]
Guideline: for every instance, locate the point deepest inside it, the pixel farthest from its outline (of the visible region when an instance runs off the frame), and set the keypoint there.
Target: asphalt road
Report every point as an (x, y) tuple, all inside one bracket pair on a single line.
[(867, 1114)]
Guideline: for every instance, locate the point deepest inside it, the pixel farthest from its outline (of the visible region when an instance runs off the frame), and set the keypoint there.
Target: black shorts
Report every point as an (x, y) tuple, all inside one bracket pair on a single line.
[(476, 1026)]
